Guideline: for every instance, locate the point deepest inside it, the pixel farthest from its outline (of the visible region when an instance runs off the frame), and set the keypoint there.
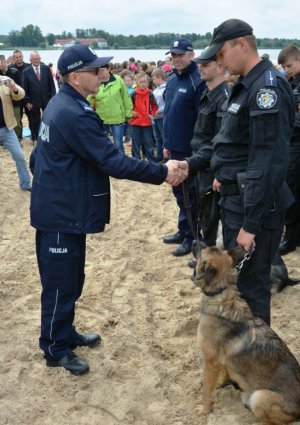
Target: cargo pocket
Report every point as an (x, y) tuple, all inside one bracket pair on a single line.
[(263, 126), (252, 188)]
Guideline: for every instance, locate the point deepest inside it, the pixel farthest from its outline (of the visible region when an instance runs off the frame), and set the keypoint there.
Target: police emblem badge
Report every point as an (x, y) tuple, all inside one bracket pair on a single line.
[(266, 98)]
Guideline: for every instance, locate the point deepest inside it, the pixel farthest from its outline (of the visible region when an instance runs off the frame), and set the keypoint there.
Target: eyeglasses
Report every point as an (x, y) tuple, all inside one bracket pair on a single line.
[(94, 70)]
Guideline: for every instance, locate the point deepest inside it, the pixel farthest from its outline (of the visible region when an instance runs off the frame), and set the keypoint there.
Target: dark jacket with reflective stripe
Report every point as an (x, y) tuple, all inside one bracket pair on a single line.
[(182, 97), (254, 139), (72, 164)]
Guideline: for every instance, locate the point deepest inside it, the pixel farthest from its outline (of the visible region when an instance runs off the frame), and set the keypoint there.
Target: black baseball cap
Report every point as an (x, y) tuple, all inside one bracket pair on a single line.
[(228, 30), (79, 56), (203, 57), (181, 45)]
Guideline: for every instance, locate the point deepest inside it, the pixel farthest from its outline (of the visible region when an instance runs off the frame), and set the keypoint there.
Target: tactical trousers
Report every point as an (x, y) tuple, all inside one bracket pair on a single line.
[(254, 277), (61, 260), (178, 192)]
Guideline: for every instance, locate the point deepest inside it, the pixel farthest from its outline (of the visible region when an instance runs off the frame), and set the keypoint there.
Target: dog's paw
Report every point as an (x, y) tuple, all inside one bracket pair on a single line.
[(203, 410)]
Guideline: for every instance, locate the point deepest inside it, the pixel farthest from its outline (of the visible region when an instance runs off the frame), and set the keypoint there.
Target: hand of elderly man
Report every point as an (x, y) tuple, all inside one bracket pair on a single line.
[(177, 172)]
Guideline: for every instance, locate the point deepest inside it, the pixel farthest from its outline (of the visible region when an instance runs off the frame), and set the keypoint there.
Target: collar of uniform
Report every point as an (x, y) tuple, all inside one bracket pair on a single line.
[(211, 94), (191, 67), (66, 88), (257, 70), (295, 81)]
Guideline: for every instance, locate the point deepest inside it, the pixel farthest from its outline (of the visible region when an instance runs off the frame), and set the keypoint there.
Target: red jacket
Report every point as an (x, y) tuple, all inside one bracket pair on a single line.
[(143, 104)]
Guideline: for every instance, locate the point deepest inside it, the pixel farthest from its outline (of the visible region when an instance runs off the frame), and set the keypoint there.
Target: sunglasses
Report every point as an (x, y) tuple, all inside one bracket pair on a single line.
[(94, 70)]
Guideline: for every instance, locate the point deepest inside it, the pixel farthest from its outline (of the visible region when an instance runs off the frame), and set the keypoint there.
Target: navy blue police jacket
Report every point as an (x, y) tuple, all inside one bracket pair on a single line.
[(71, 165), (254, 140), (182, 98)]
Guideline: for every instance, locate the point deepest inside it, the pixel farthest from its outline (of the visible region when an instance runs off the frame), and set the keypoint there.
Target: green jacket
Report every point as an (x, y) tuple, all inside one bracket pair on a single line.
[(112, 102)]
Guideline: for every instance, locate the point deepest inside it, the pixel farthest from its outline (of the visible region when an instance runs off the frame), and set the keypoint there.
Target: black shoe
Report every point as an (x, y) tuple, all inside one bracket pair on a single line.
[(192, 263), (176, 238), (87, 340), (286, 246), (182, 249), (70, 362)]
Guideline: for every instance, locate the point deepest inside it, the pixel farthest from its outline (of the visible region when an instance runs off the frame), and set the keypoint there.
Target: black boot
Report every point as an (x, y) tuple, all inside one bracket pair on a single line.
[(288, 242)]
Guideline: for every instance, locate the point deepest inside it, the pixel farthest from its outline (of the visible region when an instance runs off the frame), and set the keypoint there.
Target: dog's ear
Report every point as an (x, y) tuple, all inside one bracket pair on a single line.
[(237, 254), (209, 274), (197, 246)]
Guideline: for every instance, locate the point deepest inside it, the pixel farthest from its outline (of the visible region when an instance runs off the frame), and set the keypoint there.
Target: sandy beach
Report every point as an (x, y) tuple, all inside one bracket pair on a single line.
[(148, 369)]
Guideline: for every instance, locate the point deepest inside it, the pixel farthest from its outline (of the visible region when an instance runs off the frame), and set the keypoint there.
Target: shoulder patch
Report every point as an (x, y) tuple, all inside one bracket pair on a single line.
[(266, 98)]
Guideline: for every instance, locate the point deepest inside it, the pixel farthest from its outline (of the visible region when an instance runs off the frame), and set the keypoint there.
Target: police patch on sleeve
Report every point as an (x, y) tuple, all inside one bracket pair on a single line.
[(266, 98)]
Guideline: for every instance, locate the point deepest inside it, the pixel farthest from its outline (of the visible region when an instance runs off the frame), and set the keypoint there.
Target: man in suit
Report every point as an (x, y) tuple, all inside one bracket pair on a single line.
[(39, 87)]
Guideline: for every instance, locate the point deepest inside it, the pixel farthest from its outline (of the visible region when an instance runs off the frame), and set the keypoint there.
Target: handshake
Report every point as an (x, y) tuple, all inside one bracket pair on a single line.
[(177, 172)]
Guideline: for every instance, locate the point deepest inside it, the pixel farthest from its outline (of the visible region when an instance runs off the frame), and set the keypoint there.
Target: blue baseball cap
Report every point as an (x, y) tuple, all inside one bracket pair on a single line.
[(181, 45), (227, 30), (79, 56)]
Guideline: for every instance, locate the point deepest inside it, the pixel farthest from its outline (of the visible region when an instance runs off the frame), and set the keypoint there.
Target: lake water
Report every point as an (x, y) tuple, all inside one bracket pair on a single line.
[(51, 56)]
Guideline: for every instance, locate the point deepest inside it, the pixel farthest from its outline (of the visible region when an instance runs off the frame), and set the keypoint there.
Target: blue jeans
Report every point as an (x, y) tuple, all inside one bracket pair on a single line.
[(159, 137), (10, 141), (118, 131), (142, 136)]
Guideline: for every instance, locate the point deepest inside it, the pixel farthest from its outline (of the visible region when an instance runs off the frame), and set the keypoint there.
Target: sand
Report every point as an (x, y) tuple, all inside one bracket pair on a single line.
[(148, 369)]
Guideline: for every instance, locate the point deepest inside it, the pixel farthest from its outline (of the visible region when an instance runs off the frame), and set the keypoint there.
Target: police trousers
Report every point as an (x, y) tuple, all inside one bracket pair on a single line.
[(183, 222), (61, 261), (254, 278)]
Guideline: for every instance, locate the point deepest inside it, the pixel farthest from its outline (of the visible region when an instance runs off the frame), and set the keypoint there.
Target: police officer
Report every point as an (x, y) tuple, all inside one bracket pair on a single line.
[(182, 97), (289, 58), (71, 197), (207, 125), (250, 158)]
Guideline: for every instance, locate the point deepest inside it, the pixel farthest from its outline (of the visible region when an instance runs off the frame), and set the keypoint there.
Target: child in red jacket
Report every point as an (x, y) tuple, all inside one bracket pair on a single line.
[(144, 109)]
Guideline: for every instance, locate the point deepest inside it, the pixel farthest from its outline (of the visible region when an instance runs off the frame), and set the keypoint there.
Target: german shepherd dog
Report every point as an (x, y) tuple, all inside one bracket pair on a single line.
[(239, 346)]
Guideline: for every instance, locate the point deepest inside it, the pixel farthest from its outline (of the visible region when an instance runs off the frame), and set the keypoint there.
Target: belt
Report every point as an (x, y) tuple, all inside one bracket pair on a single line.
[(229, 189)]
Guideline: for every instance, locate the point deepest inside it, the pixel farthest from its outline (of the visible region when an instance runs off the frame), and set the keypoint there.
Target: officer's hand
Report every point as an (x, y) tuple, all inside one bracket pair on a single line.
[(177, 172), (216, 185), (245, 239), (166, 153)]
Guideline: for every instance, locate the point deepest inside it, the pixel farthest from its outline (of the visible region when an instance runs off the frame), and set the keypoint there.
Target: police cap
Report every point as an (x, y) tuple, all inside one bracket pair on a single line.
[(228, 30), (79, 56)]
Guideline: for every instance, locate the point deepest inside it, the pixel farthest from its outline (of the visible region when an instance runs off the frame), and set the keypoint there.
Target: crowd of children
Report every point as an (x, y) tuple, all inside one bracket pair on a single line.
[(142, 128)]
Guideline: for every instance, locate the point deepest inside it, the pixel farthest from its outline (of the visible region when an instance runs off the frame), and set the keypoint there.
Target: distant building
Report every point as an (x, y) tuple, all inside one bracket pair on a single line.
[(101, 43)]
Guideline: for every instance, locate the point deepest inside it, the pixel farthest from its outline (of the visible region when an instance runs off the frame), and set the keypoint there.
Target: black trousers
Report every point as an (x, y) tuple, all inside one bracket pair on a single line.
[(254, 278), (178, 192), (61, 261), (34, 119)]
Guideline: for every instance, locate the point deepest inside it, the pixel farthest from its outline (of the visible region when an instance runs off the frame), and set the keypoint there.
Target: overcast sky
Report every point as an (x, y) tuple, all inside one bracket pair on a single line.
[(269, 18)]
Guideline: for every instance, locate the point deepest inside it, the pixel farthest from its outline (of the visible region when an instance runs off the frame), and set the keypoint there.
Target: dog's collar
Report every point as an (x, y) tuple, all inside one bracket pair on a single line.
[(212, 294)]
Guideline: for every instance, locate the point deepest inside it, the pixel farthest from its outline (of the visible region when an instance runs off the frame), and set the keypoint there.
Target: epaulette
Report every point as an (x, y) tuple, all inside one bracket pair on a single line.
[(85, 106), (270, 78)]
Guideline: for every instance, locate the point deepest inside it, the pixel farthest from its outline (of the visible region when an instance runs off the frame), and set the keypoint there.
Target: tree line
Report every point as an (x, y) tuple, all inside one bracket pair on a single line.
[(31, 36)]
